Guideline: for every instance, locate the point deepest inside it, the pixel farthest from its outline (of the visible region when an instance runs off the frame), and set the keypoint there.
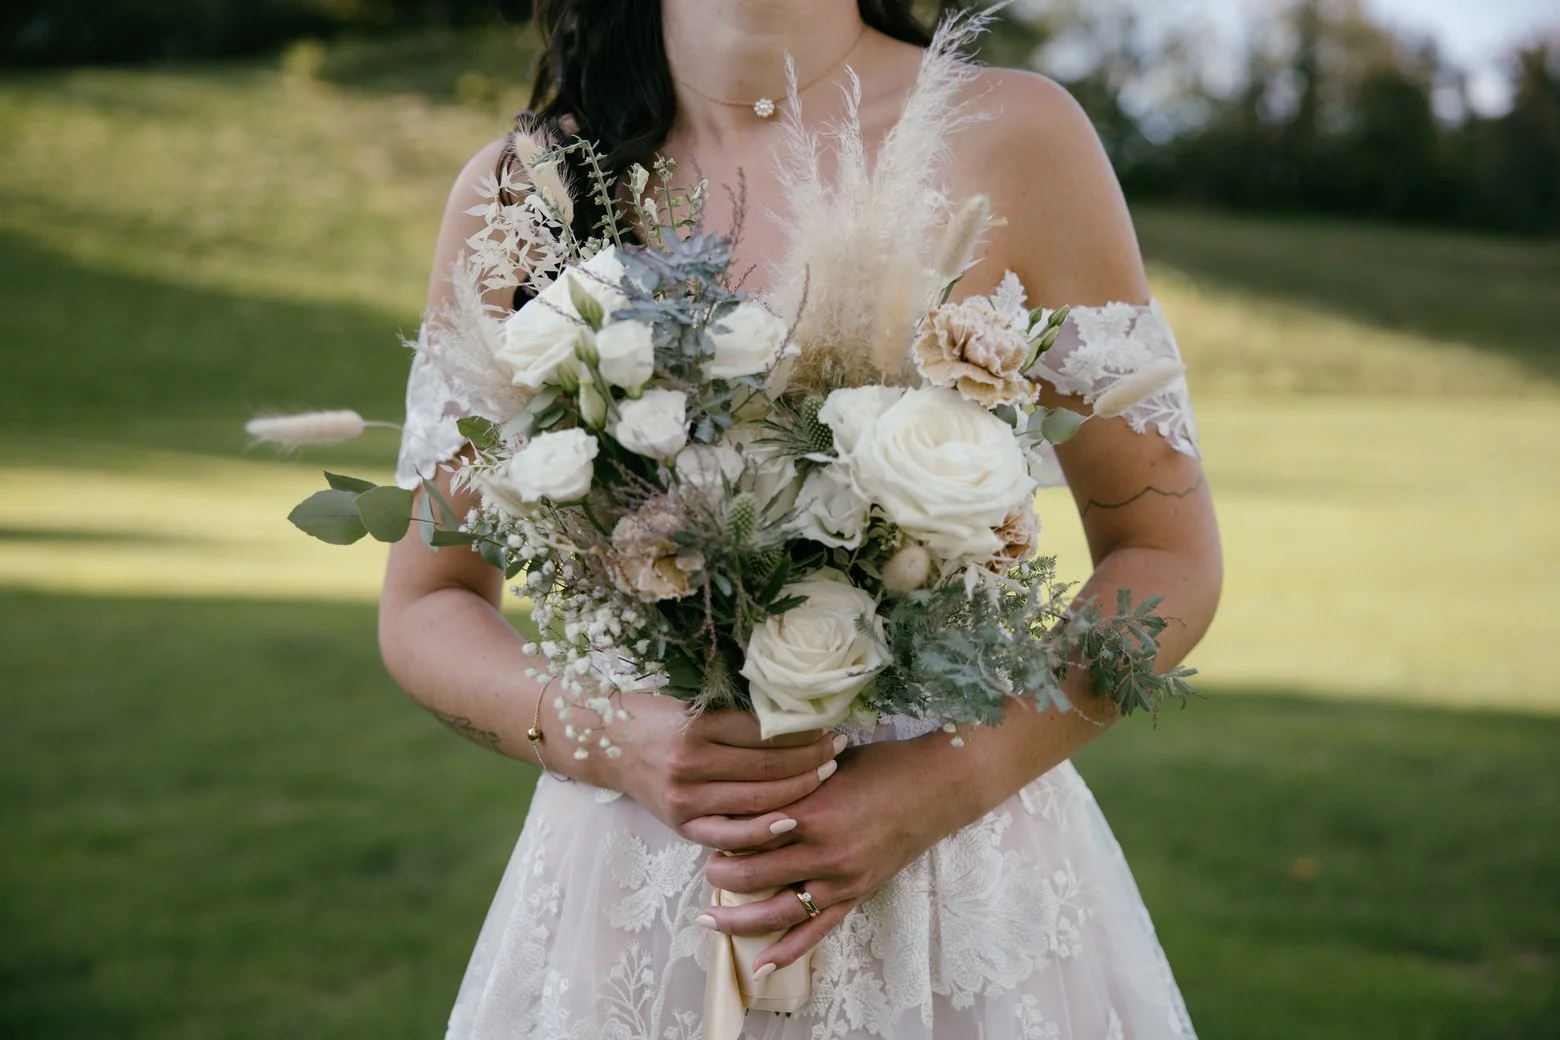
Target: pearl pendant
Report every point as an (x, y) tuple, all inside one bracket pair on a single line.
[(763, 108)]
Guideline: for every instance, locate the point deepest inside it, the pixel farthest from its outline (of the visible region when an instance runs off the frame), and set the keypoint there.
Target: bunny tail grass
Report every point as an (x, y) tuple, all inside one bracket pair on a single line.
[(295, 431)]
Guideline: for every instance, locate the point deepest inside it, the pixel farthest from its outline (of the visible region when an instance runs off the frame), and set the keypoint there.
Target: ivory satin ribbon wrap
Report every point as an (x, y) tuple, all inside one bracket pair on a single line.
[(729, 989)]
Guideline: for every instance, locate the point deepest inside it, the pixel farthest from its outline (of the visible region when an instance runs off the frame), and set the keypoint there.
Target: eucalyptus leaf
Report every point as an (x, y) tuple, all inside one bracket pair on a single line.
[(356, 485), (440, 504), (494, 554), (443, 536), (331, 516), (1060, 426), (386, 512)]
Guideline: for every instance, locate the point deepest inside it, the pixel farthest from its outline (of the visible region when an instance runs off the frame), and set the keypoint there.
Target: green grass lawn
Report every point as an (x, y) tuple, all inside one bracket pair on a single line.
[(221, 820)]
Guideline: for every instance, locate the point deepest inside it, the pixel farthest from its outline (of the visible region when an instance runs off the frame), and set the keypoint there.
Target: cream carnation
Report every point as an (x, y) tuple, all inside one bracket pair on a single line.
[(945, 470), (806, 667), (969, 347)]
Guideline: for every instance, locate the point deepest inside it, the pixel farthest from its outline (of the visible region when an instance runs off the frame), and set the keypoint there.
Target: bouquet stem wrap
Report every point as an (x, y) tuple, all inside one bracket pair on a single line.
[(729, 990)]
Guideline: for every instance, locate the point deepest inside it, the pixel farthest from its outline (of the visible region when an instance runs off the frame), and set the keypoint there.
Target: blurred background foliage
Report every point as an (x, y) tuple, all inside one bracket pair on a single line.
[(1329, 111), (219, 818)]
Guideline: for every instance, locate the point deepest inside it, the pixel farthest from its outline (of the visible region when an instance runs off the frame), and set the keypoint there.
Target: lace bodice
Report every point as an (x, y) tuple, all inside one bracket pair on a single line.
[(1098, 348)]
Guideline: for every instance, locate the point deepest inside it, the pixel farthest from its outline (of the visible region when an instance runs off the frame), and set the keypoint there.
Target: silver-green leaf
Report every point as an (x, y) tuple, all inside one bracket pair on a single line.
[(331, 516), (386, 512), (1059, 426)]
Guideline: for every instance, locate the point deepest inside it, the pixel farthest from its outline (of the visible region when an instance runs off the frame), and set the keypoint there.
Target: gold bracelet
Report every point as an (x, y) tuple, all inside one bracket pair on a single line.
[(534, 735)]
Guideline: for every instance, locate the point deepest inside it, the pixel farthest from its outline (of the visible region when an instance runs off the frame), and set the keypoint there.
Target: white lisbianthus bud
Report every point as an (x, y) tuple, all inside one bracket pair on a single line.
[(908, 569), (294, 431), (1138, 387)]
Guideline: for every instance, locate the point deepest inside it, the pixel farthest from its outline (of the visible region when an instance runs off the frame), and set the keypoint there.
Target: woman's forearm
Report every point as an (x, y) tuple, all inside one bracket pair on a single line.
[(996, 761), (454, 653)]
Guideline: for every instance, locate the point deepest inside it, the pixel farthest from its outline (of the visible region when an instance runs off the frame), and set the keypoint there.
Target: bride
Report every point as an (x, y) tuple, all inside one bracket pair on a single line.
[(953, 892)]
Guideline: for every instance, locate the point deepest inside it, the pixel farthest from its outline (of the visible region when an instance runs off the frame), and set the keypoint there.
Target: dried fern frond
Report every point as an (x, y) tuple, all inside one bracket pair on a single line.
[(850, 238)]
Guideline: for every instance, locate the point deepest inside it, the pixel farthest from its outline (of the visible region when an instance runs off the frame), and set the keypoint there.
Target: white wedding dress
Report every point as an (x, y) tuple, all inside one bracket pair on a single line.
[(1026, 924)]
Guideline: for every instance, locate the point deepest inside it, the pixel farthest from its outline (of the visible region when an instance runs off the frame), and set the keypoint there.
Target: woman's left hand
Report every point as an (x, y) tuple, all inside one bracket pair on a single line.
[(854, 833)]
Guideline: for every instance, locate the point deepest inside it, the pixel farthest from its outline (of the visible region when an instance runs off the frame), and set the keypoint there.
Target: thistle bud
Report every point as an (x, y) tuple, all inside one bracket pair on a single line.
[(742, 518)]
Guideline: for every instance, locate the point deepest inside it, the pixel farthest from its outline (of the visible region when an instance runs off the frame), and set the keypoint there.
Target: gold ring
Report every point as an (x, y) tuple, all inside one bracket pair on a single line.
[(808, 904)]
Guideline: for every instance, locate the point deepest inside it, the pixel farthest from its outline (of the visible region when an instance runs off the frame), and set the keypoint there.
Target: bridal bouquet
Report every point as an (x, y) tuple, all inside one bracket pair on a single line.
[(696, 499)]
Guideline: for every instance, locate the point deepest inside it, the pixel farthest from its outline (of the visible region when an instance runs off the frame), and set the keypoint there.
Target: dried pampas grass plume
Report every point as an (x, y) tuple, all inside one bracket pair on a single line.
[(303, 428), (848, 236)]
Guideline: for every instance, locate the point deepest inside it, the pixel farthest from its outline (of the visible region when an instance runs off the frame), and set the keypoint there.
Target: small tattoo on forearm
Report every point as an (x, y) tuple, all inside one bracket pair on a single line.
[(1150, 490), (468, 729)]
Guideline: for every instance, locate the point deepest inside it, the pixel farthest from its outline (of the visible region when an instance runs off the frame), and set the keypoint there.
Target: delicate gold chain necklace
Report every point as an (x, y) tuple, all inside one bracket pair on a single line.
[(765, 107)]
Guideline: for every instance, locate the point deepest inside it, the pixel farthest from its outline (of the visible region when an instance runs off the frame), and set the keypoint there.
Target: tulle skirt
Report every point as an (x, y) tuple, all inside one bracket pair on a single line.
[(1026, 925)]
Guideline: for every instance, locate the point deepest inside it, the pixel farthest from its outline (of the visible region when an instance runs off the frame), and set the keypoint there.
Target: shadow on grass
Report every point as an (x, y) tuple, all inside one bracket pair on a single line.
[(1493, 293), (93, 354), (223, 820)]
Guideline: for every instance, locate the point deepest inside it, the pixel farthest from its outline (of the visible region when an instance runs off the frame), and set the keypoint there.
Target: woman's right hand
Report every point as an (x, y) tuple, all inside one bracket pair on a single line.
[(713, 779)]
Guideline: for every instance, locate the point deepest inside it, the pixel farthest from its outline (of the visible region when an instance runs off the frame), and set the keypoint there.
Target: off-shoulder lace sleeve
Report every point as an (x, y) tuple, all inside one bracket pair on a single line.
[(1101, 346), (429, 436)]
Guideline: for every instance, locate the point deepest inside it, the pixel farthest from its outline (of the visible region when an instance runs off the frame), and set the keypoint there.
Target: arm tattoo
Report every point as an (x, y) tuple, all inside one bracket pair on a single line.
[(1150, 490), (468, 729)]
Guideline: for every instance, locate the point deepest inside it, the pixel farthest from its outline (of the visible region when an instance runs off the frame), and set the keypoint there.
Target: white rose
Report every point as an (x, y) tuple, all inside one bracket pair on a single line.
[(655, 425), (850, 411), (945, 470), (709, 467), (627, 354), (539, 338), (556, 465), (805, 667), (747, 341), (829, 508)]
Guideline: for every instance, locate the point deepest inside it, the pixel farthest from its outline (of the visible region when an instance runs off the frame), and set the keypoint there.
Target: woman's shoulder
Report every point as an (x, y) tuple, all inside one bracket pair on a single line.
[(1033, 151)]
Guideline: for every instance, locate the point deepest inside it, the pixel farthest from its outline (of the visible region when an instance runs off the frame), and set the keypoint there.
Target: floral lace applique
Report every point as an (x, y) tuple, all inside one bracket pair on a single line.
[(429, 435), (1100, 346)]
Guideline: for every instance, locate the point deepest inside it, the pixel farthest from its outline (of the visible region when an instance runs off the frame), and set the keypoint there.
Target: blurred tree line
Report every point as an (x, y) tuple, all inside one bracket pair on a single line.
[(61, 32), (1326, 110)]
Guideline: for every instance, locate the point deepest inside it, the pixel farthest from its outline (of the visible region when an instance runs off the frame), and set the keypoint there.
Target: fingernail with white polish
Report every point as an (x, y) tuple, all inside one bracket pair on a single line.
[(705, 921), (782, 826), (763, 973), (827, 769), (840, 740)]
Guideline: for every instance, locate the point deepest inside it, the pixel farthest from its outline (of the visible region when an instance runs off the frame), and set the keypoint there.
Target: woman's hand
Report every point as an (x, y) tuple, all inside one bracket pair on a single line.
[(852, 836), (714, 780)]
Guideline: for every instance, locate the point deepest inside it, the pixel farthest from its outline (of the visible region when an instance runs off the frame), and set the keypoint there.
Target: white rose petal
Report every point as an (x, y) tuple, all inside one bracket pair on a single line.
[(748, 341), (539, 338), (851, 411), (830, 509), (655, 425), (627, 354), (709, 467), (770, 475), (806, 667), (945, 470), (556, 465)]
